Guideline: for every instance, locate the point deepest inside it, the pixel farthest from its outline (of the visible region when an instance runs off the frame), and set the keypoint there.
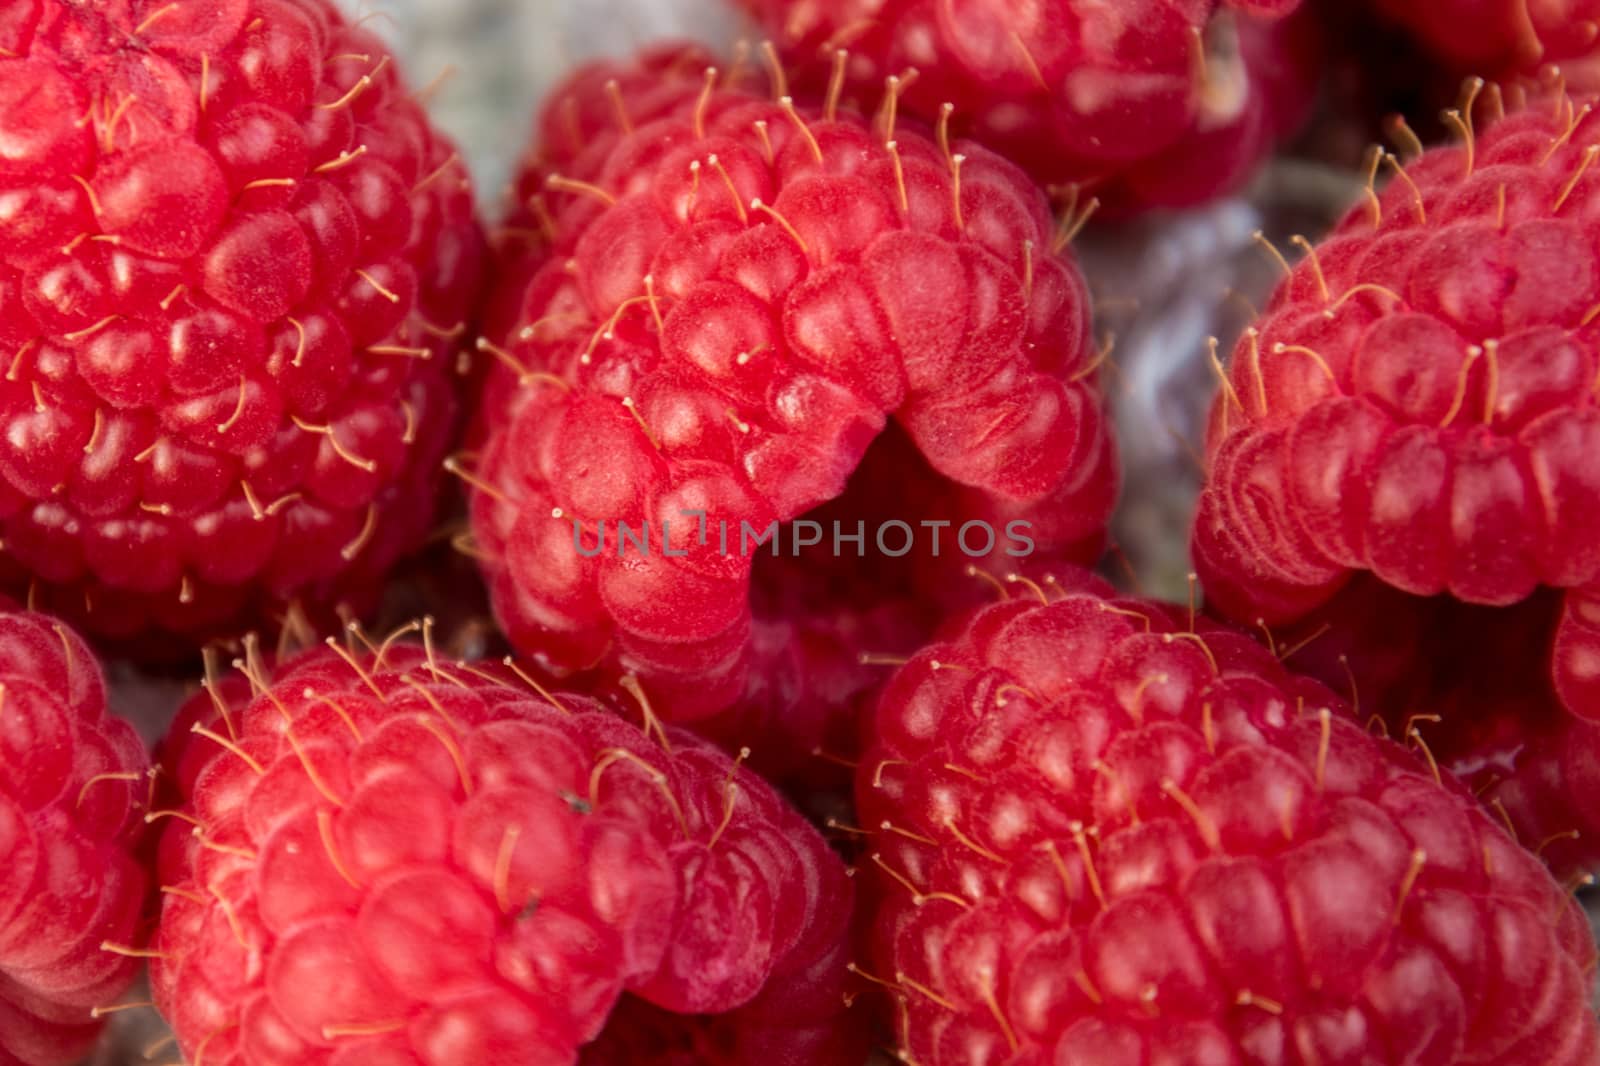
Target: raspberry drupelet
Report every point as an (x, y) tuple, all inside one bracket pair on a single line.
[(235, 266), (383, 856), (1102, 834), (737, 294), (1155, 103), (72, 890)]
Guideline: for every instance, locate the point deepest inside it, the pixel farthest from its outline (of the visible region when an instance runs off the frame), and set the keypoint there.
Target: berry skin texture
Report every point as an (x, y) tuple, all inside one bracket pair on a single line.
[(233, 259), (71, 785), (385, 857), (737, 297), (1103, 836), (1155, 103)]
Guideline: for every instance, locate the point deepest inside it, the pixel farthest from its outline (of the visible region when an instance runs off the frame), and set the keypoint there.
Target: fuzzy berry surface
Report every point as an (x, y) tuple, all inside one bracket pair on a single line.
[(1500, 38), (72, 787), (1157, 103), (737, 296), (235, 260), (387, 857), (1101, 834)]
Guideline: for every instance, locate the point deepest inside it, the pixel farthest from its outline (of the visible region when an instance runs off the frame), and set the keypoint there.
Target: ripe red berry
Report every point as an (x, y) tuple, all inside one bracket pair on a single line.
[(1418, 404), (385, 857), (737, 296), (71, 782), (1101, 835), (233, 259), (1504, 38), (1417, 400), (1153, 103)]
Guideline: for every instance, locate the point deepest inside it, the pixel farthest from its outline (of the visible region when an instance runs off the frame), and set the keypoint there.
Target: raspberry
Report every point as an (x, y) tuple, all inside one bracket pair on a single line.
[(233, 256), (1417, 403), (1159, 103), (738, 294), (70, 783), (1501, 38), (1102, 835), (387, 857)]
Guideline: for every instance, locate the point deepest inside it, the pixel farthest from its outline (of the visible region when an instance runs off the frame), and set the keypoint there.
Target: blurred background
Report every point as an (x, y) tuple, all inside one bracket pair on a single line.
[(504, 55)]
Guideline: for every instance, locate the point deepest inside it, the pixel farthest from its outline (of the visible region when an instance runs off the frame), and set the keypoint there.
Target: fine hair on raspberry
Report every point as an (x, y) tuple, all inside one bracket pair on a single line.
[(384, 856), (1506, 38), (236, 264)]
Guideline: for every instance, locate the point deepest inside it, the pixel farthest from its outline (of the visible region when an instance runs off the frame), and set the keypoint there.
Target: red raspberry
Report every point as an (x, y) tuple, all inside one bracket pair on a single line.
[(738, 296), (1418, 399), (1154, 102), (1418, 404), (71, 780), (1500, 38), (388, 858), (1103, 836), (233, 256)]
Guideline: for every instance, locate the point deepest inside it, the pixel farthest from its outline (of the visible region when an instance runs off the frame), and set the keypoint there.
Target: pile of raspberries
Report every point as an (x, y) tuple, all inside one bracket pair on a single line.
[(662, 628)]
